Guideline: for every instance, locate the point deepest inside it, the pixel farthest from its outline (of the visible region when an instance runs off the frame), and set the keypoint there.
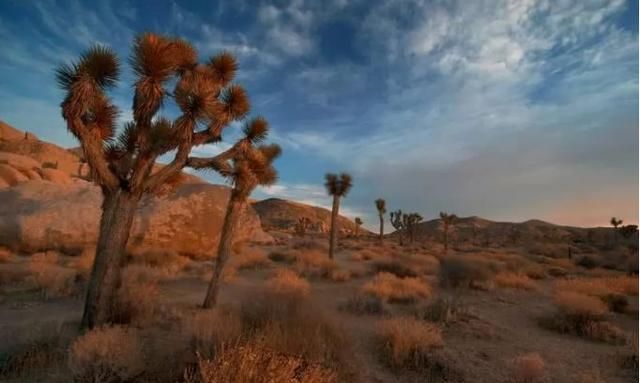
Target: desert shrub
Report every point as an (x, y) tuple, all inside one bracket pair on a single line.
[(588, 261), (514, 281), (390, 288), (408, 344), (50, 279), (442, 310), (628, 359), (254, 362), (207, 331), (556, 271), (49, 165), (107, 354), (534, 271), (137, 296), (281, 256), (600, 287), (250, 258), (287, 282), (84, 263), (294, 326), (527, 368), (465, 271), (167, 261), (360, 304), (393, 267), (310, 245), (5, 255), (314, 264), (33, 350), (589, 377), (616, 302)]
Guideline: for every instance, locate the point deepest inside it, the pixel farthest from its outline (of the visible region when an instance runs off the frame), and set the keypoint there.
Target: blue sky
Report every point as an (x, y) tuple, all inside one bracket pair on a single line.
[(505, 109)]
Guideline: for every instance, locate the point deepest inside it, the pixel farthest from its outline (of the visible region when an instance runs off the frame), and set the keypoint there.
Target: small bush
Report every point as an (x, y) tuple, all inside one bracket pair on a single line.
[(407, 343), (616, 302), (250, 258), (207, 331), (51, 280), (589, 377), (390, 288), (137, 296), (514, 281), (314, 264), (360, 304), (465, 271), (588, 262), (442, 310), (528, 368), (282, 257), (5, 255), (107, 354), (287, 282), (168, 262), (393, 267)]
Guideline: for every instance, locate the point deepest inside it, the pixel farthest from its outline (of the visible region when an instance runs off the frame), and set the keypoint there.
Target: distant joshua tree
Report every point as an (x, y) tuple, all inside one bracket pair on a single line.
[(628, 230), (382, 209), (337, 187), (253, 166), (448, 220), (302, 226), (615, 223), (411, 224), (358, 222), (396, 221), (122, 164), (405, 223)]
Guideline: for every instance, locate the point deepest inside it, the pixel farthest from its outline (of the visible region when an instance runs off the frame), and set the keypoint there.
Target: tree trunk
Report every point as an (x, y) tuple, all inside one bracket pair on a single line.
[(446, 239), (234, 211), (333, 237), (381, 227), (118, 210)]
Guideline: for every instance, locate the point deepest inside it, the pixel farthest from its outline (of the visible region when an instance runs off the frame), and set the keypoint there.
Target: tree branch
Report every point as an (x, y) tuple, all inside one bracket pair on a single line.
[(92, 147)]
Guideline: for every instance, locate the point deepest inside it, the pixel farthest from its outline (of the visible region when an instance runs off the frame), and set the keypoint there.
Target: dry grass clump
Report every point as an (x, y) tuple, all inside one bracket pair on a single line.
[(207, 331), (168, 262), (584, 316), (527, 368), (254, 362), (107, 354), (443, 311), (589, 377), (514, 281), (51, 280), (360, 304), (611, 290), (305, 245), (408, 344), (250, 258), (466, 271), (282, 256), (83, 263), (137, 296), (5, 255), (390, 288), (287, 282), (393, 267), (313, 263)]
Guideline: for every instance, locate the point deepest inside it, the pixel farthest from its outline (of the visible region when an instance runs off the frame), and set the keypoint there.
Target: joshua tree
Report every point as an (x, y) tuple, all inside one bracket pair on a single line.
[(382, 209), (338, 187), (358, 222), (411, 224), (302, 226), (628, 230), (396, 221), (615, 223), (448, 220), (122, 165), (251, 167)]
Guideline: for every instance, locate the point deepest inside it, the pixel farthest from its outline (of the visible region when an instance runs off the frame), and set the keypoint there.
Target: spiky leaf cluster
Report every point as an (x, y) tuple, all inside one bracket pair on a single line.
[(338, 185), (381, 205)]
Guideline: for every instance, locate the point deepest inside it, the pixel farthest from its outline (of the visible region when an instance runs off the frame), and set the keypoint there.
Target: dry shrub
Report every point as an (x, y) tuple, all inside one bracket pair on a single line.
[(534, 271), (589, 377), (250, 258), (5, 255), (84, 262), (589, 261), (393, 267), (50, 279), (310, 245), (611, 290), (137, 296), (107, 354), (390, 288), (168, 262), (527, 368), (254, 362), (514, 281), (584, 316), (280, 256), (466, 271), (360, 304), (206, 331), (408, 344), (313, 263), (287, 282), (338, 275), (442, 310)]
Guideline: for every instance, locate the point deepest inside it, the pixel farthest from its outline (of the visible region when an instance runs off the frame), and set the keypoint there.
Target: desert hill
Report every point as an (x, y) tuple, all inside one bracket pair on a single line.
[(280, 214)]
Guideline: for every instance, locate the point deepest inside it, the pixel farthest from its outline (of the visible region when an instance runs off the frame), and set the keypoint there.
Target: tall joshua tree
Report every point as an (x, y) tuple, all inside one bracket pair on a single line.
[(337, 187), (249, 168), (122, 165), (448, 220), (615, 222), (382, 209), (411, 224), (396, 221), (358, 222)]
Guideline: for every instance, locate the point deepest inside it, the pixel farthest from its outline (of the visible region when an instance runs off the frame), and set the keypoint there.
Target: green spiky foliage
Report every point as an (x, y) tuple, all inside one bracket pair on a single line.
[(337, 186), (121, 161), (381, 206), (447, 220), (358, 222)]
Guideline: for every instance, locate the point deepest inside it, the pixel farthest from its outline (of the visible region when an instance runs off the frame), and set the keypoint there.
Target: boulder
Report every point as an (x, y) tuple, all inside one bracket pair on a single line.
[(18, 161), (41, 215), (8, 132), (55, 176), (11, 176)]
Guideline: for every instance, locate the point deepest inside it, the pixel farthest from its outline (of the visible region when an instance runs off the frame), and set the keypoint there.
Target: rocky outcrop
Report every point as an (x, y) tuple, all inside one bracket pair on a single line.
[(41, 215)]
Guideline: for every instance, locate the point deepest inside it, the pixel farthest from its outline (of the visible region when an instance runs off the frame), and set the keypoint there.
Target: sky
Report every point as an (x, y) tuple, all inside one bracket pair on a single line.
[(509, 110)]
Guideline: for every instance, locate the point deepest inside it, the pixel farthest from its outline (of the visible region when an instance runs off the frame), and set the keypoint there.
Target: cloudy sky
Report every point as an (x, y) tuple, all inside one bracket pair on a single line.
[(508, 110)]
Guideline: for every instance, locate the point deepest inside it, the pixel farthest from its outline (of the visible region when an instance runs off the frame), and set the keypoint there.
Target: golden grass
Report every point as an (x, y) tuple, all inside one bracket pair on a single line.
[(407, 342), (390, 288), (575, 304), (313, 263), (285, 281), (137, 297), (107, 354), (168, 262), (601, 286), (50, 279), (527, 368), (514, 281), (250, 258)]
